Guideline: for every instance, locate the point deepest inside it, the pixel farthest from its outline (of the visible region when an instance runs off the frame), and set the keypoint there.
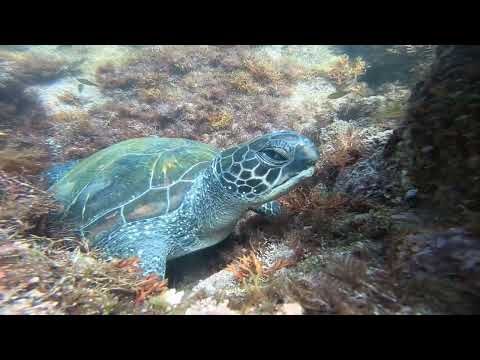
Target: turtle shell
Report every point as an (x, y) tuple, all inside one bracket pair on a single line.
[(132, 180)]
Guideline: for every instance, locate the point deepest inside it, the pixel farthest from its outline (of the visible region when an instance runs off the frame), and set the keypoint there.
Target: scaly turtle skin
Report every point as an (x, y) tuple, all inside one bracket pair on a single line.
[(161, 198)]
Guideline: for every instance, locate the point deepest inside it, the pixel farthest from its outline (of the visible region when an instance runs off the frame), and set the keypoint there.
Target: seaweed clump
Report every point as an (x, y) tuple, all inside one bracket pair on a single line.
[(47, 271), (25, 207), (163, 86), (220, 120), (343, 285), (345, 149), (45, 276), (243, 82), (345, 71), (28, 68), (250, 271), (22, 161)]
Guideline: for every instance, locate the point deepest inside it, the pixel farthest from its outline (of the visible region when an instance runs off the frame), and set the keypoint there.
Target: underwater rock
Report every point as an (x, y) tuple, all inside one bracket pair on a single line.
[(307, 55), (15, 47), (406, 221), (224, 282), (375, 139), (30, 304), (309, 90), (411, 197), (370, 179), (7, 81), (64, 95), (21, 69), (83, 263), (439, 145), (362, 179), (369, 225), (291, 309), (380, 176), (357, 109), (403, 63), (447, 252), (168, 300), (210, 306)]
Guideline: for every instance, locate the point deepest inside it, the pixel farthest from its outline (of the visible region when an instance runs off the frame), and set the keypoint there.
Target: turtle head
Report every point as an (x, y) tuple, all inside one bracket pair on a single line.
[(266, 167)]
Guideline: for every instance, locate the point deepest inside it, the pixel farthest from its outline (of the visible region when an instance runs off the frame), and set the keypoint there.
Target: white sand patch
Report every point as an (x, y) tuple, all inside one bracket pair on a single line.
[(48, 95)]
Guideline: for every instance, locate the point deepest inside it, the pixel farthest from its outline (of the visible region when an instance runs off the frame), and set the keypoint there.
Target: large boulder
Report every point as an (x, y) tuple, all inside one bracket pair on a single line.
[(442, 133)]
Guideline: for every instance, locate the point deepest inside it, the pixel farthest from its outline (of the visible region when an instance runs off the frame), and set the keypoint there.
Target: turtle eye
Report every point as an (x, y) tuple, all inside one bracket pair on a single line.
[(274, 155)]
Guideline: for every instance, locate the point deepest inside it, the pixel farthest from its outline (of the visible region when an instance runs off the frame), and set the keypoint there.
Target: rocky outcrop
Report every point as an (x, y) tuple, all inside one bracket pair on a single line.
[(437, 149), (441, 139), (403, 63)]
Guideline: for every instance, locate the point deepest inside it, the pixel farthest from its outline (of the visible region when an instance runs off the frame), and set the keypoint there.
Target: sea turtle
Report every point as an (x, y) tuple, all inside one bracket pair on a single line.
[(160, 198)]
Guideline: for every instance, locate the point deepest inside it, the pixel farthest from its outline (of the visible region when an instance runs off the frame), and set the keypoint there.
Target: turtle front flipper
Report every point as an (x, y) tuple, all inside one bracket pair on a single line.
[(149, 246), (270, 209), (153, 259)]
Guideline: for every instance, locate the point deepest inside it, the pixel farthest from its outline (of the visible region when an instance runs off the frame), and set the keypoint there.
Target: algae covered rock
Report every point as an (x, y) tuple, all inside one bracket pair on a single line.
[(442, 135), (363, 179), (403, 63)]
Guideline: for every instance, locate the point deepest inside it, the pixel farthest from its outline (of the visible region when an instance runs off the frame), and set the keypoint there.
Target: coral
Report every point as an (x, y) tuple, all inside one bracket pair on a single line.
[(340, 144), (297, 200), (18, 72), (256, 275)]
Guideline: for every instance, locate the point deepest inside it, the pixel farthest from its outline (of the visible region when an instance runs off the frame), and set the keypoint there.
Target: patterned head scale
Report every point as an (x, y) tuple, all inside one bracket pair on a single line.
[(266, 167)]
